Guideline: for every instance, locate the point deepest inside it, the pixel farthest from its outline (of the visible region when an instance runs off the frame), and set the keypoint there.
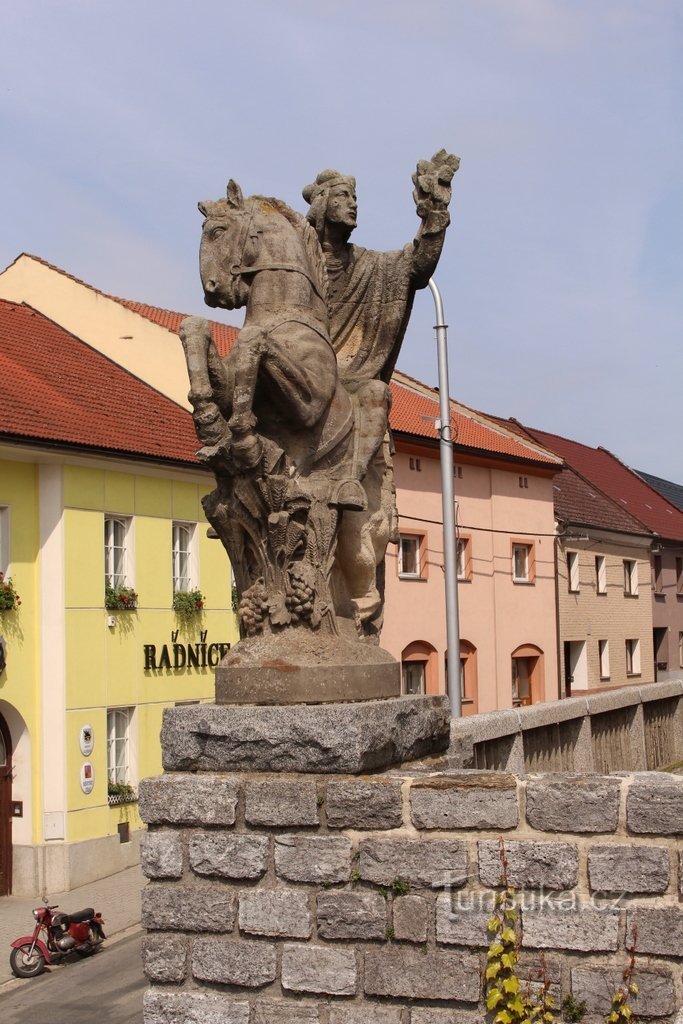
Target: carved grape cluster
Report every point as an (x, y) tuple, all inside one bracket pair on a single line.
[(300, 596), (253, 608)]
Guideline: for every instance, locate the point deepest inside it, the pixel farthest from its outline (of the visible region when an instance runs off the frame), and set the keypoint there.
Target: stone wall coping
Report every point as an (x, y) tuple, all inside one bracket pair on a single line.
[(661, 691), (494, 725)]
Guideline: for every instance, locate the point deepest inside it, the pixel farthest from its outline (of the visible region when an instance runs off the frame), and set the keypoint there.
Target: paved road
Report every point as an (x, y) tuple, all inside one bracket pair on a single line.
[(106, 988)]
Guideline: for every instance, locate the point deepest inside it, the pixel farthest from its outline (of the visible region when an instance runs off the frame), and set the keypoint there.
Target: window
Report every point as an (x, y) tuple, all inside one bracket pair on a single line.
[(4, 539), (409, 561), (115, 557), (464, 558), (657, 574), (630, 578), (680, 650), (183, 534), (633, 657), (679, 576), (415, 463), (414, 673), (603, 653), (522, 563), (119, 767), (600, 574), (573, 571)]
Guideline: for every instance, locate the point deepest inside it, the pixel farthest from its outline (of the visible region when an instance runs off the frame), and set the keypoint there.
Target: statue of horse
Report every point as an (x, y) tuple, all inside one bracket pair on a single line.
[(279, 387), (281, 432)]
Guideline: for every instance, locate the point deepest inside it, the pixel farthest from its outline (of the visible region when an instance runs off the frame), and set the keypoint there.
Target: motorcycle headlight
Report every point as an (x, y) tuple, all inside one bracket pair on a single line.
[(36, 914)]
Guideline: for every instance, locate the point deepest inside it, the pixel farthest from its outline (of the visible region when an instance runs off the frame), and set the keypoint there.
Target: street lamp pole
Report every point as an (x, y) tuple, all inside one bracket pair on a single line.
[(448, 504)]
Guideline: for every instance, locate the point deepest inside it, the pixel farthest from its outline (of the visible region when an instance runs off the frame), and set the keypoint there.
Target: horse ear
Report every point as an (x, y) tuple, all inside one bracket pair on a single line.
[(202, 207), (235, 197)]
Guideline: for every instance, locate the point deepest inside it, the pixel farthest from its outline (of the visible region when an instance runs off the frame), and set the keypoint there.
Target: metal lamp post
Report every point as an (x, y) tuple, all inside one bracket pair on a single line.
[(448, 504)]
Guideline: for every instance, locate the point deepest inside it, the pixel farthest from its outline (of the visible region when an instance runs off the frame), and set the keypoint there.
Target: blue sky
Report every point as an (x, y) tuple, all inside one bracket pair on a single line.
[(562, 274)]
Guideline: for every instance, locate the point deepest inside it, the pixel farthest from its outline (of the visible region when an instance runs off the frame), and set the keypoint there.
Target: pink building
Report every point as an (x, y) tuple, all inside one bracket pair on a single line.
[(506, 557)]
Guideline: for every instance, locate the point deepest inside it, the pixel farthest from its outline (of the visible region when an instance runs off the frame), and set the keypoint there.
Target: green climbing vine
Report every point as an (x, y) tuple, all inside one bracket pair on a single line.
[(507, 1000)]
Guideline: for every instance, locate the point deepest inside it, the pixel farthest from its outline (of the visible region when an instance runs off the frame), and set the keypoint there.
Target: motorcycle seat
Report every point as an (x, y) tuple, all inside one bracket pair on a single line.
[(81, 915)]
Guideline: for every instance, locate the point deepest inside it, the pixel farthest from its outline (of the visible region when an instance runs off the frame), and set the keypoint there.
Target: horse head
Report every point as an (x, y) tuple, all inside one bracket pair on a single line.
[(241, 237)]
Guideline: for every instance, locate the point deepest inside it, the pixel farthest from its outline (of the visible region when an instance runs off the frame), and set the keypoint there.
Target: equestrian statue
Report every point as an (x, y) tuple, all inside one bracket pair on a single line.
[(294, 424)]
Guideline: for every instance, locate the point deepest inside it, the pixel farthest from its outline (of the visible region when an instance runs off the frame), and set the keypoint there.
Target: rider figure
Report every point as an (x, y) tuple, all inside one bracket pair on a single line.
[(370, 298)]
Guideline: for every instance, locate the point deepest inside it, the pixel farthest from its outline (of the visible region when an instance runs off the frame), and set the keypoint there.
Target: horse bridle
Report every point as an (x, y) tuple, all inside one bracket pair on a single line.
[(240, 268)]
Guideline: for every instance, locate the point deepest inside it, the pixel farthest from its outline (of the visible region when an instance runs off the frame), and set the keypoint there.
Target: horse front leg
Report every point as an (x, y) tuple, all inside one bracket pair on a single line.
[(202, 360), (245, 360)]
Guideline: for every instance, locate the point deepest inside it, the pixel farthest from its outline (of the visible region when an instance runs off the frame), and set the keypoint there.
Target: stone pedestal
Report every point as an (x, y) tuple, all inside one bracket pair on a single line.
[(302, 667), (323, 738)]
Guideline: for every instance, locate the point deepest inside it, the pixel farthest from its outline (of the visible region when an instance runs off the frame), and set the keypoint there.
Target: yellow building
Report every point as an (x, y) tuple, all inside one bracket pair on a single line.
[(100, 503)]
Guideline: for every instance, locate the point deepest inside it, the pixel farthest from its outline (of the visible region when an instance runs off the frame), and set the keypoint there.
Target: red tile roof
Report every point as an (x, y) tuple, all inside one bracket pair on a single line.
[(224, 336), (582, 504), (56, 389), (415, 408), (617, 481), (415, 405)]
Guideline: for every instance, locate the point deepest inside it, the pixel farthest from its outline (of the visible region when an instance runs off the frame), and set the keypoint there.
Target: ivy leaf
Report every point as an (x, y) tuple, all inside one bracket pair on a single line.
[(493, 970), (503, 1017), (508, 936), (495, 949), (508, 960), (492, 925), (493, 998), (511, 984)]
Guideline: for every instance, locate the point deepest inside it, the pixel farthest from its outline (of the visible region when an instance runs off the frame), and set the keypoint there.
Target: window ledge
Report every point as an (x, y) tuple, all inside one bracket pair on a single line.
[(523, 583), (631, 596), (633, 675), (659, 595), (412, 579)]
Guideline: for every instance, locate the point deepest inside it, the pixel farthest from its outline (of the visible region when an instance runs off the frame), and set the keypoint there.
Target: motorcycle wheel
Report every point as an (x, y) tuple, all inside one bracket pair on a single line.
[(25, 964)]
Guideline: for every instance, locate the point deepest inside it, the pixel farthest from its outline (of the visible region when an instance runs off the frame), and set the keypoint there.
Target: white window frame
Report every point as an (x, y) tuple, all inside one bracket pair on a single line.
[(600, 574), (406, 539), (117, 573), (573, 571), (603, 656), (657, 577), (121, 747), (182, 582), (680, 649), (4, 539), (632, 657), (419, 670), (630, 577), (527, 550), (463, 558)]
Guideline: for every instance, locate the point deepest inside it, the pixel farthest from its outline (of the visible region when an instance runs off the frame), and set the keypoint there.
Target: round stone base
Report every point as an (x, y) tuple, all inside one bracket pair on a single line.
[(305, 670)]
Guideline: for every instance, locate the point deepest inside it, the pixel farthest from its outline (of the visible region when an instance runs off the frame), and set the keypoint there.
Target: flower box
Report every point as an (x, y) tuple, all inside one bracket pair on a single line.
[(120, 599), (9, 599), (188, 602)]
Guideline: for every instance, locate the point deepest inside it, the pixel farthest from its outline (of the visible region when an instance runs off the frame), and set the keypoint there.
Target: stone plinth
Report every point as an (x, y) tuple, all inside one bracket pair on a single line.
[(324, 738), (305, 668)]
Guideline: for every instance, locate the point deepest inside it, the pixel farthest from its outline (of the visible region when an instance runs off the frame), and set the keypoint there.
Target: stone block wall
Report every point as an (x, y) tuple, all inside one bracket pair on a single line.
[(289, 898)]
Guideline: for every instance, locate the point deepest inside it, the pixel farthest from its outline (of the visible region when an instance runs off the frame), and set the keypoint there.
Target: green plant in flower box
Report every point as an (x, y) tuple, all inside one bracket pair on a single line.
[(9, 599), (188, 602), (120, 599)]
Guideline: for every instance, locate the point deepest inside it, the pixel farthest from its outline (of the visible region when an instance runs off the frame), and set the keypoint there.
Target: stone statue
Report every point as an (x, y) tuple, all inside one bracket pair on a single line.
[(294, 424), (370, 298)]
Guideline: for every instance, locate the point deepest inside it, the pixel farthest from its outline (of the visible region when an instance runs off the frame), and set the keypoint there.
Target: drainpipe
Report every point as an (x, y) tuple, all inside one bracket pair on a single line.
[(448, 505)]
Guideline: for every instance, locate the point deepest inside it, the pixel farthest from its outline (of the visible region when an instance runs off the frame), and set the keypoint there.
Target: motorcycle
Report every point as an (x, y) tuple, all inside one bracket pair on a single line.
[(54, 937)]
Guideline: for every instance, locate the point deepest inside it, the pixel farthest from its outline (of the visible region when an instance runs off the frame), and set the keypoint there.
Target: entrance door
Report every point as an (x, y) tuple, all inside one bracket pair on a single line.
[(5, 809)]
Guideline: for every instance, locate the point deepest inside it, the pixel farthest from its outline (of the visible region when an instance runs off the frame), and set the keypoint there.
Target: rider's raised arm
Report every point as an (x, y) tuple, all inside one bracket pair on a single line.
[(432, 194)]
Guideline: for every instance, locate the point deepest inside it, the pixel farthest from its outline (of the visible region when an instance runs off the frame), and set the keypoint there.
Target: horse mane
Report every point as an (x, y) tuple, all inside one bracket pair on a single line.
[(309, 237)]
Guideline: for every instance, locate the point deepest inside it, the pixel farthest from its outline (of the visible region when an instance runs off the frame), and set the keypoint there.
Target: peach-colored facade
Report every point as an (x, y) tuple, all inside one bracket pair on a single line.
[(499, 504)]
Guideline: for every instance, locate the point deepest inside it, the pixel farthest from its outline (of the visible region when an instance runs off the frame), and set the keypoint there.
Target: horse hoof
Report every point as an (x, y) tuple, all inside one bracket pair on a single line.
[(247, 451), (350, 495)]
